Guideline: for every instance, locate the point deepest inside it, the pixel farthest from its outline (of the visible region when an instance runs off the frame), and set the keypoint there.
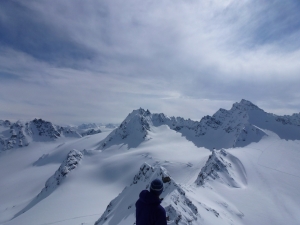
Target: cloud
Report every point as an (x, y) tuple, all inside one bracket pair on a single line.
[(26, 30), (98, 60)]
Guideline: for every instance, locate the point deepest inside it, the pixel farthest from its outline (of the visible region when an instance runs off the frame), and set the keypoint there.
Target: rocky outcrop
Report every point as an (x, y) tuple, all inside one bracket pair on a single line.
[(69, 164), (223, 167)]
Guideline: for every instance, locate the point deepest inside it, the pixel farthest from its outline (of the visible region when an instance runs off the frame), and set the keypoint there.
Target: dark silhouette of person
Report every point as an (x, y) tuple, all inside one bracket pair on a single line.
[(148, 208)]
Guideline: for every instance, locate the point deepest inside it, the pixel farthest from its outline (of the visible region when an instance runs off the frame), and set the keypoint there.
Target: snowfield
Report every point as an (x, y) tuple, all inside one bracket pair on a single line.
[(240, 166)]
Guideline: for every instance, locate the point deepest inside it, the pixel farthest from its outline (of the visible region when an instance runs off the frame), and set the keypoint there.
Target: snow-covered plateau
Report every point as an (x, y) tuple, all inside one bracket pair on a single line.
[(239, 166)]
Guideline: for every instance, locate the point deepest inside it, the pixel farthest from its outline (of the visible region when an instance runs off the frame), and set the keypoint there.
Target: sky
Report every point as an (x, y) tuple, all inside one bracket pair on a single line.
[(77, 61)]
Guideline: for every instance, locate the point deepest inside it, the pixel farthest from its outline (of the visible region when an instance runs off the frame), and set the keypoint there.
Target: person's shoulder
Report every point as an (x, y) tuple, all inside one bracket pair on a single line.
[(143, 193), (161, 209)]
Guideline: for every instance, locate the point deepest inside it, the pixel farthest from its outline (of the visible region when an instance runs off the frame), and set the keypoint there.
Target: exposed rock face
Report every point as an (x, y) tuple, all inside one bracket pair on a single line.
[(223, 167), (179, 209)]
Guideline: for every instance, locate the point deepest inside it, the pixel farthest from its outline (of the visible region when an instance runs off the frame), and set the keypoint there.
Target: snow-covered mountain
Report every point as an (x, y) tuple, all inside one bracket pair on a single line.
[(20, 134), (243, 124), (251, 177), (132, 131)]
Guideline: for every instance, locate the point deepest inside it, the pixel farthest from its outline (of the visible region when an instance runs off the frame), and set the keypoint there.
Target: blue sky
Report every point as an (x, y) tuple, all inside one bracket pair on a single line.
[(78, 61)]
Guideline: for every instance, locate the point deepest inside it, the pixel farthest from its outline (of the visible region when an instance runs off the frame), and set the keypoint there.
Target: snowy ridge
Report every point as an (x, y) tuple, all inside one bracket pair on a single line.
[(179, 209), (223, 167), (68, 165), (243, 124)]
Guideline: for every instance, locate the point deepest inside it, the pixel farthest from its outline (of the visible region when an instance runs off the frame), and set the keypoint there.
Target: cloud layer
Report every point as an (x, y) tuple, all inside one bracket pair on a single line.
[(83, 61)]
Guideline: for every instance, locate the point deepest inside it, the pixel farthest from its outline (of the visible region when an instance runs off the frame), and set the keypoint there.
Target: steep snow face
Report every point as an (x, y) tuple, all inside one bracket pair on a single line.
[(225, 168), (132, 131), (68, 165), (179, 209)]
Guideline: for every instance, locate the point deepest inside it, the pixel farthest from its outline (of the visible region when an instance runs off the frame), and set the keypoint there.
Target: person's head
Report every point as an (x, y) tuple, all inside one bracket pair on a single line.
[(157, 187)]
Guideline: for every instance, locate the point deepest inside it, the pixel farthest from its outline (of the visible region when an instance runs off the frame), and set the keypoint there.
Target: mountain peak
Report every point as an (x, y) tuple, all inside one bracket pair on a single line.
[(132, 131), (245, 105), (141, 112)]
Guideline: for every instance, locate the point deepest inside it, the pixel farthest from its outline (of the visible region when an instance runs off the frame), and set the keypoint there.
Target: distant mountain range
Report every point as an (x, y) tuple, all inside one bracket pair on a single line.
[(243, 124), (20, 134)]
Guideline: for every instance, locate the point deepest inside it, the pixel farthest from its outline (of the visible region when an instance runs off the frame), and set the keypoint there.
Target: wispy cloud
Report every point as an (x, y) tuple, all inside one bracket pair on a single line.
[(97, 60)]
